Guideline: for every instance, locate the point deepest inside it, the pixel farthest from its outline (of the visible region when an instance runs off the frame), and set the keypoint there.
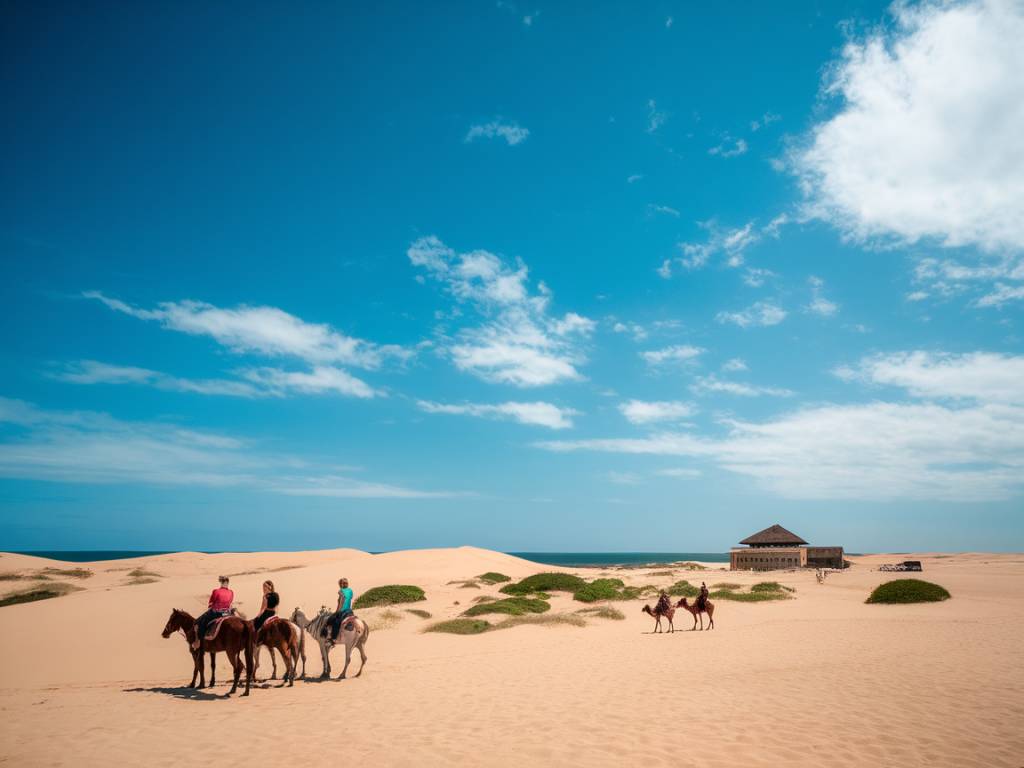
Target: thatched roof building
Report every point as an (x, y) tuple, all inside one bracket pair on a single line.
[(773, 536)]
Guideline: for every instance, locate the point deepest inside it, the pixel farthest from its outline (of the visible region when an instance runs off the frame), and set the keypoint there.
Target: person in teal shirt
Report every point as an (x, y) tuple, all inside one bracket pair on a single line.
[(344, 608)]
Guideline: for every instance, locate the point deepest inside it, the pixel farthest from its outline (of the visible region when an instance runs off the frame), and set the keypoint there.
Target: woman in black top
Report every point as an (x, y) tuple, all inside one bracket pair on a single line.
[(268, 607)]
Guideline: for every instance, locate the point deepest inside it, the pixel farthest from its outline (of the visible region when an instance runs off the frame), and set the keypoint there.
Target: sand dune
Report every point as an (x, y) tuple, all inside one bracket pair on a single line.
[(819, 679)]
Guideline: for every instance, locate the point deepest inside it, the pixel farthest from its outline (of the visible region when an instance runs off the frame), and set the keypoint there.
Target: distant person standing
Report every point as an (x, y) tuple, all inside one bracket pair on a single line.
[(268, 607), (221, 600), (344, 609)]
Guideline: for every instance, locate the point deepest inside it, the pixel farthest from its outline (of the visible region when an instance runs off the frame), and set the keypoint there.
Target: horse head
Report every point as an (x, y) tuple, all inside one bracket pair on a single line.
[(178, 620)]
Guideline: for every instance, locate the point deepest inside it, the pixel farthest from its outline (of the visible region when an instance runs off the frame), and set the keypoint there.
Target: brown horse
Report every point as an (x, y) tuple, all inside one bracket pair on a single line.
[(658, 613), (235, 638), (284, 637), (709, 609)]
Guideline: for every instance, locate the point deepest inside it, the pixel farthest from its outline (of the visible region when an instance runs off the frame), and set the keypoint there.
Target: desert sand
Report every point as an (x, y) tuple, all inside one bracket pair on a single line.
[(821, 679)]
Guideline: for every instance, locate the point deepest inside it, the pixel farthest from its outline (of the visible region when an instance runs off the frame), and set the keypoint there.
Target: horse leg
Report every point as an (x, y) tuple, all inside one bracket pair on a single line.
[(325, 657), (213, 668), (348, 657), (236, 664), (711, 618), (362, 655), (273, 661), (197, 662)]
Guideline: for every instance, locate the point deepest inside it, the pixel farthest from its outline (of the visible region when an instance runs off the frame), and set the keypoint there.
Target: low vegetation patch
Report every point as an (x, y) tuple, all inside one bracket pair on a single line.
[(692, 566), (460, 626), (771, 586), (493, 577), (747, 597), (72, 573), (545, 582), (47, 592), (513, 606), (603, 612), (599, 589), (142, 576), (662, 573), (726, 585), (389, 595), (384, 620), (551, 620), (683, 589), (12, 577), (418, 612), (486, 599), (908, 591)]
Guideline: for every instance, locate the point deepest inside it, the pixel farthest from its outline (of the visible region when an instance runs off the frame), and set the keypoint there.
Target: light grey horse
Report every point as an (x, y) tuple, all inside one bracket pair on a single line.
[(352, 638)]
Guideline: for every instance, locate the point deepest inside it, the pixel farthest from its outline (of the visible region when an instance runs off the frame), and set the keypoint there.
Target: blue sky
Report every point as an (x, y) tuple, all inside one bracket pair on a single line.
[(520, 276)]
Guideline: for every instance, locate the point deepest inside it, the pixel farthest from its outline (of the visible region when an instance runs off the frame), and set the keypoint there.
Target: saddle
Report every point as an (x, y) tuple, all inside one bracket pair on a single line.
[(214, 628)]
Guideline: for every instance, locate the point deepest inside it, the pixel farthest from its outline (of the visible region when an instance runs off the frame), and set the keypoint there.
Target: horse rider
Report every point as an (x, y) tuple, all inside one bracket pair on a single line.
[(221, 600), (333, 625), (269, 605), (702, 598), (664, 603)]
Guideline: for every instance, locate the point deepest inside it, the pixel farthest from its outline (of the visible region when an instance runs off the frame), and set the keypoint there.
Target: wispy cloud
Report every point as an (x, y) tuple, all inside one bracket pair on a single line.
[(519, 343), (761, 313), (656, 412), (819, 304), (678, 353), (730, 148), (634, 178), (731, 243), (655, 118), (90, 447), (734, 365), (764, 121), (512, 133), (536, 413), (706, 384), (663, 209)]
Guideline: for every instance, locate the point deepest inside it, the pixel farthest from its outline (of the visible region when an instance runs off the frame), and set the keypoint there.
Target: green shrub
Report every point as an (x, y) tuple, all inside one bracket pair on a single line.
[(556, 619), (771, 586), (12, 577), (908, 591), (726, 585), (460, 626), (418, 612), (513, 606), (74, 573), (747, 597), (662, 573), (33, 594), (484, 599), (545, 582), (683, 589), (492, 577), (599, 589), (389, 595)]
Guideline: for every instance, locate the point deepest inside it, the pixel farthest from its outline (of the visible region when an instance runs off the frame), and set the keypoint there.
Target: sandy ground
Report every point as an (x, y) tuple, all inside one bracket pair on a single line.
[(822, 679)]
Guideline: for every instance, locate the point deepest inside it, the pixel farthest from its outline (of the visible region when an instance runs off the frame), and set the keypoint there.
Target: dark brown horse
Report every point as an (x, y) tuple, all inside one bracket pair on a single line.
[(658, 613), (709, 609), (284, 637), (236, 638)]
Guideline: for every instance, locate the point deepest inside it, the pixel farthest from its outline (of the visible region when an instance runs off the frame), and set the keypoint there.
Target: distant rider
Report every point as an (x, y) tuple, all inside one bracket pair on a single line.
[(221, 600), (268, 607), (343, 612), (702, 598), (664, 603)]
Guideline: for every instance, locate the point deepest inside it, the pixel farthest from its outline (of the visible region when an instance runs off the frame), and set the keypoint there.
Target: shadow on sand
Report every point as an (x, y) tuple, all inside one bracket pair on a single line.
[(181, 692)]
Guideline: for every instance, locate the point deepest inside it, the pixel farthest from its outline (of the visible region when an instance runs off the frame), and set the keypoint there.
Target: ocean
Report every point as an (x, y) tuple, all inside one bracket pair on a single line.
[(565, 559)]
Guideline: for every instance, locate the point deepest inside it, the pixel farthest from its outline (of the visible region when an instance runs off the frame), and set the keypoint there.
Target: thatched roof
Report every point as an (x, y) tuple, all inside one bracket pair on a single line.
[(775, 535)]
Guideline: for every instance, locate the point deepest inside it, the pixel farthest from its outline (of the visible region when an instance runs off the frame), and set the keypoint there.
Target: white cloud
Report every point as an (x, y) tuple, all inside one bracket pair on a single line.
[(734, 365), (730, 148), (679, 353), (668, 211), (1001, 295), (637, 331), (707, 384), (764, 121), (819, 304), (519, 343), (992, 281), (878, 451), (624, 478), (729, 242), (755, 276), (265, 330), (634, 178), (761, 313), (512, 133), (537, 413), (652, 412), (917, 296), (679, 472), (322, 378), (655, 119), (926, 141), (90, 447), (668, 22), (982, 376)]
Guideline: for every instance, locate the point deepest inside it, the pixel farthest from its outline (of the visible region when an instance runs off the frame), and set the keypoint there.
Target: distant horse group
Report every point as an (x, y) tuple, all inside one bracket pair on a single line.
[(238, 638), (658, 613)]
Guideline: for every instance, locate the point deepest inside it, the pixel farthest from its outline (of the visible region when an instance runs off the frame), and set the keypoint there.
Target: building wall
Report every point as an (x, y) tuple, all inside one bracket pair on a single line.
[(825, 557), (767, 558)]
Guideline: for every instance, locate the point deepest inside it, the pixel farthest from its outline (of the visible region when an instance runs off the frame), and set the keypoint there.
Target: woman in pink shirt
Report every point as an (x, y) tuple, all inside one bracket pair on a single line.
[(219, 605)]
